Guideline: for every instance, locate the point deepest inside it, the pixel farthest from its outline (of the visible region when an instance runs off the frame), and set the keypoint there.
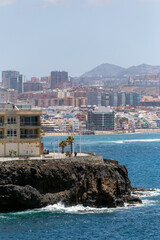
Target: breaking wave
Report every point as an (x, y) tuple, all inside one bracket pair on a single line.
[(134, 141), (149, 193), (127, 141), (79, 209)]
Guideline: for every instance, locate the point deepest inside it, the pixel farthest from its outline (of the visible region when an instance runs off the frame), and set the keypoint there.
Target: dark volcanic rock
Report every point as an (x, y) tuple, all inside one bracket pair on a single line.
[(132, 199), (26, 185), (14, 198)]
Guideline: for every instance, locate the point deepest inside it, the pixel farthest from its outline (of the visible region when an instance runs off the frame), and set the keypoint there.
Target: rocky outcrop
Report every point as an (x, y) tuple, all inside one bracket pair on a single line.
[(35, 184)]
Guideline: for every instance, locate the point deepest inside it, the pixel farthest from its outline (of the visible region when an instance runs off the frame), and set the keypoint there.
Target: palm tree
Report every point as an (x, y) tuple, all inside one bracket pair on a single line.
[(63, 145), (70, 142), (12, 153)]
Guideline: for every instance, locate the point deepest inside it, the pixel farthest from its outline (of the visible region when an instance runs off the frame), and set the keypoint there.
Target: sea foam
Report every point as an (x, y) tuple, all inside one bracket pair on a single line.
[(148, 193), (133, 141)]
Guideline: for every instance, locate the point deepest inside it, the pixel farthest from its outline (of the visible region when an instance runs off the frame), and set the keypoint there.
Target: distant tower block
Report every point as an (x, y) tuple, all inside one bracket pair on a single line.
[(57, 78), (159, 91)]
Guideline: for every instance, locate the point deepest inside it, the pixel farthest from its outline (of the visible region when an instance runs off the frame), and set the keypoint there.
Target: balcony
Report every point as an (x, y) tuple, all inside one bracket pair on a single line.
[(31, 121), (29, 136), (30, 124)]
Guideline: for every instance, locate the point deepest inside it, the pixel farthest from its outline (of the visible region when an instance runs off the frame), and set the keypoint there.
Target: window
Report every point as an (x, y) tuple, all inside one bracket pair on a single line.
[(1, 134), (11, 120), (29, 133), (1, 121), (29, 121), (11, 133)]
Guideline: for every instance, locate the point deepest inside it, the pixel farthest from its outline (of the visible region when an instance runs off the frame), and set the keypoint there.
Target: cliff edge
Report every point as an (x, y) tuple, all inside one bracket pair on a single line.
[(35, 184)]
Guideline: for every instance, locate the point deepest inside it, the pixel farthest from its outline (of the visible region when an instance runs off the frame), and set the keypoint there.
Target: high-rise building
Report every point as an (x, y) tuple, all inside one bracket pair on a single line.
[(13, 83), (6, 76), (57, 78), (136, 99), (100, 121), (21, 81), (105, 99), (113, 99), (129, 99), (133, 99), (121, 99), (13, 80), (94, 98)]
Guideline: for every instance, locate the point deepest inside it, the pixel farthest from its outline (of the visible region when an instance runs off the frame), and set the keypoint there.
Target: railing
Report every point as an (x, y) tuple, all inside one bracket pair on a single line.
[(29, 136), (35, 136), (10, 135), (29, 124)]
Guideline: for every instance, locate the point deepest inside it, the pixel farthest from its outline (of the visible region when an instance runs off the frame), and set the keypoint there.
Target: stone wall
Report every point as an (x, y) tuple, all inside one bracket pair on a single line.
[(22, 149), (82, 159), (79, 159)]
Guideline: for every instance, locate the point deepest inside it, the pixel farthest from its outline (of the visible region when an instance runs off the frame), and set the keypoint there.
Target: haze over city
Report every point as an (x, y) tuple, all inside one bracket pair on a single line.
[(39, 36), (79, 119)]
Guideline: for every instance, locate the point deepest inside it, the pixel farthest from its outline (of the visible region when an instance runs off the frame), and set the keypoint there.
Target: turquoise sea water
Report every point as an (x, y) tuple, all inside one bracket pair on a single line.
[(141, 154)]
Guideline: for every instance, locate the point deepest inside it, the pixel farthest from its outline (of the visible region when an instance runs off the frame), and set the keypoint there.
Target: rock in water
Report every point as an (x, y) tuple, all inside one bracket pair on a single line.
[(35, 184)]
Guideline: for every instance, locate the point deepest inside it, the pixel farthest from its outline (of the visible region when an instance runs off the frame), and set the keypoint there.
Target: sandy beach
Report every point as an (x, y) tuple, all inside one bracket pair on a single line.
[(102, 132)]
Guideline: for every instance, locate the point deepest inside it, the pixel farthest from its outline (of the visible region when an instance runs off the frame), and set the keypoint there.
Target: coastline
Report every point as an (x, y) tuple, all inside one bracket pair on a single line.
[(70, 181), (102, 132)]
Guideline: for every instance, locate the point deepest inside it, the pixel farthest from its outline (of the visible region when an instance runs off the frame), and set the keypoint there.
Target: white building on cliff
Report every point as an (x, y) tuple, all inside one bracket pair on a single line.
[(20, 130)]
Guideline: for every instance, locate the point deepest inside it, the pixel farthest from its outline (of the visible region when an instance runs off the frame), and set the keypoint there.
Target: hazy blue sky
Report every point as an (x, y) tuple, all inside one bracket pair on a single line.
[(38, 36)]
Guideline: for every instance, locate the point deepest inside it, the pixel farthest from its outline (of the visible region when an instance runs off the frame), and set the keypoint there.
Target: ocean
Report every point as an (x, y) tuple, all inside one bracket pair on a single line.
[(140, 153)]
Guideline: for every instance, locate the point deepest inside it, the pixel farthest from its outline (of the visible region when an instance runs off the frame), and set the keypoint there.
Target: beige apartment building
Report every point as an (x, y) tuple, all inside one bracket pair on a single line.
[(20, 130)]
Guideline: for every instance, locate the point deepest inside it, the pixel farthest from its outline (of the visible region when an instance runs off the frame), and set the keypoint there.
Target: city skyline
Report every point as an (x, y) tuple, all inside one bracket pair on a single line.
[(43, 35)]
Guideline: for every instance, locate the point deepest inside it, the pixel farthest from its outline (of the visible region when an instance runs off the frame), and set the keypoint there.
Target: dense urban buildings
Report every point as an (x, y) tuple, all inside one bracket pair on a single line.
[(75, 105), (30, 86), (8, 95)]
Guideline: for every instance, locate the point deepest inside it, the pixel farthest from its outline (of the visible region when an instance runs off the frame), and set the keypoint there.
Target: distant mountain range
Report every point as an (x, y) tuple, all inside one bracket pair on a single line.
[(110, 70)]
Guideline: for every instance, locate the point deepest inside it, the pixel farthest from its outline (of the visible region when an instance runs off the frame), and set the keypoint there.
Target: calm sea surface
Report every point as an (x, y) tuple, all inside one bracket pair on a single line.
[(141, 154)]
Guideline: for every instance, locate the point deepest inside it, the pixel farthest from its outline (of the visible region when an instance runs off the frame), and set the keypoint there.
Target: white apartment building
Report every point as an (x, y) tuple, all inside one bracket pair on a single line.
[(20, 130)]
